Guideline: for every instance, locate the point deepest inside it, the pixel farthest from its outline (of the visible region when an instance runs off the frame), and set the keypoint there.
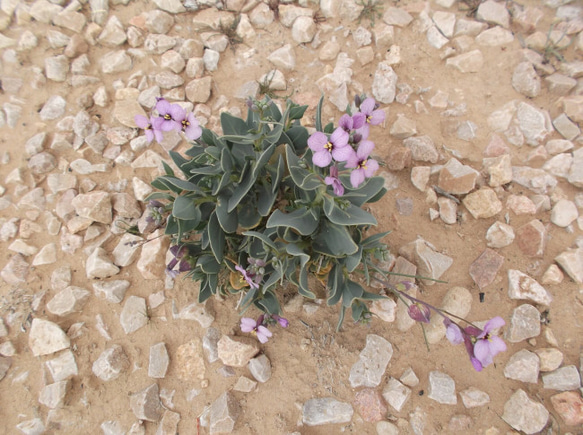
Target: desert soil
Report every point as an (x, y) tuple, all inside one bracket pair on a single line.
[(309, 359)]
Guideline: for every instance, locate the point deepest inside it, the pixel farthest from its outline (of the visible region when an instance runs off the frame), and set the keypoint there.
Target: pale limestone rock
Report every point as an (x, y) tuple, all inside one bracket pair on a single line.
[(429, 262), (53, 395), (283, 58), (63, 366), (111, 363), (146, 404), (524, 414), (126, 251), (189, 362), (523, 366), (151, 263), (472, 397), (493, 12), (564, 213), (483, 203), (469, 62), (523, 287), (457, 178), (98, 265), (236, 351), (159, 361), (68, 301), (94, 205), (46, 337), (397, 17), (571, 261), (224, 412), (199, 90), (134, 314), (550, 358), (112, 291), (499, 235), (494, 37)]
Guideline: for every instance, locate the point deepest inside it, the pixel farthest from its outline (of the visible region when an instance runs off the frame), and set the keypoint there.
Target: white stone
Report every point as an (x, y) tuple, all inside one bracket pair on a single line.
[(46, 337)]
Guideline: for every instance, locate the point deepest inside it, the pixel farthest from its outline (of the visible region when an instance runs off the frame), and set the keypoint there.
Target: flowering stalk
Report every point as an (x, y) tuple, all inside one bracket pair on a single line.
[(481, 344)]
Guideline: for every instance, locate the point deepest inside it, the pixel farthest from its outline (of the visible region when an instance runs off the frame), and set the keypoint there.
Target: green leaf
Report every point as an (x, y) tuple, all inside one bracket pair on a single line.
[(208, 264), (207, 170), (265, 199), (319, 114), (226, 161), (167, 169), (248, 216), (329, 129), (269, 303), (177, 158), (351, 291), (357, 310), (352, 215), (334, 284), (228, 221), (334, 240), (249, 298), (241, 190), (266, 240), (274, 278), (340, 318), (158, 195), (297, 112), (374, 241), (302, 281), (353, 261), (273, 112), (175, 184), (208, 287), (222, 183), (300, 220), (232, 125), (303, 178), (368, 296), (216, 237), (365, 192), (263, 159), (196, 150), (184, 208), (273, 136), (276, 178)]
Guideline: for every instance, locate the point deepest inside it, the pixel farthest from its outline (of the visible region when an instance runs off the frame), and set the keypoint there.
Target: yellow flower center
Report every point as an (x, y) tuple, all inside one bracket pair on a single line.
[(167, 117), (363, 164), (329, 146)]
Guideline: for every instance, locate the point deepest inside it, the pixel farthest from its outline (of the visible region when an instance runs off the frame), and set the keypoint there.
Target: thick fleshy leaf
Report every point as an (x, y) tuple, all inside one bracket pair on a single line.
[(351, 215), (241, 190), (300, 220), (216, 238), (184, 208), (334, 240), (228, 221)]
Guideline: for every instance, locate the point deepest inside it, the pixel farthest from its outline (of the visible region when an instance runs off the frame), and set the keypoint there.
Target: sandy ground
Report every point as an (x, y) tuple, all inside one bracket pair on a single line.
[(308, 361)]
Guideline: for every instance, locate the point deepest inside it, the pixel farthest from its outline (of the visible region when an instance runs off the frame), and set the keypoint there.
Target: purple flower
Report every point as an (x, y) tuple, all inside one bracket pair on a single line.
[(349, 123), (169, 117), (453, 333), (487, 345), (334, 181), (325, 149), (364, 167), (372, 116), (419, 312), (249, 325), (247, 277), (145, 124), (190, 127), (263, 334), (283, 322), (180, 253)]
